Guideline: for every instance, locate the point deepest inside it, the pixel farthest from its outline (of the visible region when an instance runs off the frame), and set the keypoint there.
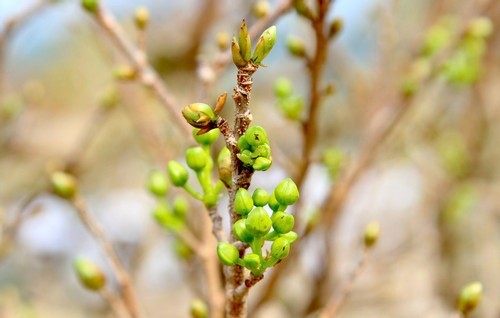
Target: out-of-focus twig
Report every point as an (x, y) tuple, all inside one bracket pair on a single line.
[(115, 303)]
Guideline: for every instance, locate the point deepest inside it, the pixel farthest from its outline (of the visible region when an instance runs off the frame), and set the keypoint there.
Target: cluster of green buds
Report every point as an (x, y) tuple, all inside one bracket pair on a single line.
[(469, 298), (241, 47), (256, 227), (292, 106), (254, 149), (89, 274)]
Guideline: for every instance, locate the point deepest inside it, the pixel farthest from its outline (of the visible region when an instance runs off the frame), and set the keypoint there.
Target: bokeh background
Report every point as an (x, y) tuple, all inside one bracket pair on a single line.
[(433, 185)]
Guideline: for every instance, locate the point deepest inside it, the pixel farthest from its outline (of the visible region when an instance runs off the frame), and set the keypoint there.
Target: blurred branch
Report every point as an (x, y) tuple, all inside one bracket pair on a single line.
[(116, 304)]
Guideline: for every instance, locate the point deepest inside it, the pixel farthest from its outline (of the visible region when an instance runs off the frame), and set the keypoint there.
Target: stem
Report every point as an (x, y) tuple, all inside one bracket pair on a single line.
[(116, 304)]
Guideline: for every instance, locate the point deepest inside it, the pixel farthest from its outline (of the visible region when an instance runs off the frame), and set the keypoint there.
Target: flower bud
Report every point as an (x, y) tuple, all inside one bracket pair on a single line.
[(283, 87), (243, 144), (261, 9), (481, 27), (180, 207), (262, 151), (125, 72), (177, 173), (280, 248), (258, 222), (335, 28), (227, 253), (244, 42), (198, 115), (241, 232), (470, 297), (273, 203), (243, 202), (166, 219), (110, 98), (238, 59), (292, 107), (372, 231), (282, 222), (90, 5), (246, 157), (334, 159), (290, 236), (296, 46), (199, 309), (89, 274), (207, 138), (256, 136), (222, 40), (286, 192), (260, 197), (302, 8), (157, 183), (264, 45), (252, 262), (182, 250), (141, 17), (196, 158), (224, 163), (64, 185), (262, 164)]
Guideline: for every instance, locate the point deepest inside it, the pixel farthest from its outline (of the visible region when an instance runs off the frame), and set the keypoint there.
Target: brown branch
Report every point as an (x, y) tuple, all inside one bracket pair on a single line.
[(115, 304), (147, 75), (127, 290)]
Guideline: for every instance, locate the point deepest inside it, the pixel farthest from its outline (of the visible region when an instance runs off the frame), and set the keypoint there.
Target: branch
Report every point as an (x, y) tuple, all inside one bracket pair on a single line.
[(116, 304)]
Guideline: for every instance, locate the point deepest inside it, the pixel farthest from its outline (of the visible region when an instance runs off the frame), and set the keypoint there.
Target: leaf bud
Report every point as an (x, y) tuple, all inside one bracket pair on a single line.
[(282, 222), (198, 115), (177, 173), (261, 8), (283, 87), (198, 308), (470, 297), (260, 197), (246, 157), (335, 28), (196, 158), (241, 232), (207, 138), (245, 42), (258, 222), (243, 202), (238, 59), (243, 144), (157, 183), (90, 5), (262, 164), (227, 253), (256, 136), (89, 274), (64, 185), (125, 72), (264, 45), (280, 248), (224, 163), (292, 107), (371, 235), (286, 192), (141, 18), (296, 46)]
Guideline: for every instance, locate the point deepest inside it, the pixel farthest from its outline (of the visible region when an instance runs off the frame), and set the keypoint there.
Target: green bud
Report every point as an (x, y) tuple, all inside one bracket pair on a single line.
[(283, 87), (157, 183), (302, 8), (334, 159), (262, 151), (470, 297), (198, 309), (290, 236), (252, 262), (238, 59), (177, 173), (224, 163), (180, 207), (256, 136), (262, 164), (125, 72), (90, 5), (261, 9), (246, 157), (141, 17), (264, 45), (110, 98), (280, 248), (260, 197), (241, 232), (196, 158), (166, 219), (335, 28), (296, 46), (245, 42), (182, 250), (372, 231), (292, 107), (227, 253), (207, 138), (64, 185), (283, 222), (243, 202), (481, 27), (273, 203), (286, 192), (222, 40), (198, 115), (258, 222), (89, 274), (243, 144)]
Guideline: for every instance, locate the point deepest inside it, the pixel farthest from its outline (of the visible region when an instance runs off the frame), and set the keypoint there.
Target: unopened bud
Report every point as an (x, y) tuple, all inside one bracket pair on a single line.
[(241, 232), (290, 236), (177, 173), (261, 8), (243, 202), (262, 164), (245, 42), (273, 203), (158, 184), (258, 222), (286, 192), (199, 309), (207, 138), (224, 163), (89, 274), (182, 250), (125, 72), (280, 248), (198, 115), (372, 231), (223, 40), (282, 222), (141, 18), (238, 59), (283, 87), (180, 207), (196, 158), (64, 185), (256, 136), (470, 297), (335, 28), (296, 46), (260, 197), (227, 253), (264, 45), (90, 5), (481, 27)]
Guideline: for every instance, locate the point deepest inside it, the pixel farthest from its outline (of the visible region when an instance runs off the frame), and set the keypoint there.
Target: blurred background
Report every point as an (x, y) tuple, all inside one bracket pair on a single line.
[(432, 183)]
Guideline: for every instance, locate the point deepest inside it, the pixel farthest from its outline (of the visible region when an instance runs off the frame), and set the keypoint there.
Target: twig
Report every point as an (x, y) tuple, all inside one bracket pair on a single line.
[(147, 75), (217, 229), (338, 299), (116, 304), (127, 290)]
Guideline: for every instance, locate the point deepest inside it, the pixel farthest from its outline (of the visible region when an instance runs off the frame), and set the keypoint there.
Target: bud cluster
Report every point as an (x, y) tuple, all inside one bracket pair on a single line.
[(241, 47), (256, 227), (290, 105), (254, 149)]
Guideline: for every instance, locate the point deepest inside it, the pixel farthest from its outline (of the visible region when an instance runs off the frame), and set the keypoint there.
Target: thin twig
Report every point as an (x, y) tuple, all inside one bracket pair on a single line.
[(115, 303), (128, 292)]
